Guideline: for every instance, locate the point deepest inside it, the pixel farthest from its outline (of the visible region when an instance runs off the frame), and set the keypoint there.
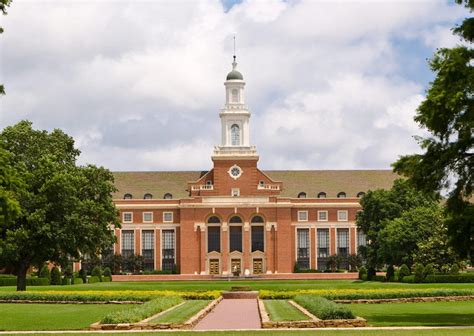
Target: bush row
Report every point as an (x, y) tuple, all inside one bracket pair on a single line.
[(11, 281), (138, 313), (323, 308), (365, 294), (442, 278)]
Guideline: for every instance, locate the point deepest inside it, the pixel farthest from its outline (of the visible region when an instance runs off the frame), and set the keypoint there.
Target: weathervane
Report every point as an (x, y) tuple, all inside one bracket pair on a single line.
[(234, 64)]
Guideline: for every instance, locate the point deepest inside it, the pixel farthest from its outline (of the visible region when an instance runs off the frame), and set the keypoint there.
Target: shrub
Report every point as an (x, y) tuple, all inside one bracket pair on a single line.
[(37, 281), (378, 278), (390, 275), (408, 279), (107, 272), (323, 308), (45, 273), (96, 272), (78, 281), (106, 279), (429, 270), (450, 278), (55, 276), (419, 276), (83, 275), (370, 273), (93, 279), (4, 281), (403, 272), (65, 281), (354, 261), (143, 311), (454, 269), (362, 273)]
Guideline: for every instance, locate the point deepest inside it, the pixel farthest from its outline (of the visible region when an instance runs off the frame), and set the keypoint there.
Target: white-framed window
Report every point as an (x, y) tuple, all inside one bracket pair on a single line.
[(323, 215), (235, 192), (148, 217), (168, 217), (342, 215), (235, 135), (235, 95), (127, 217), (302, 216)]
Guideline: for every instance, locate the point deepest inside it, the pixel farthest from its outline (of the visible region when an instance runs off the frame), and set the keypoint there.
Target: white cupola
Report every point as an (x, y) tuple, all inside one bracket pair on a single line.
[(235, 117)]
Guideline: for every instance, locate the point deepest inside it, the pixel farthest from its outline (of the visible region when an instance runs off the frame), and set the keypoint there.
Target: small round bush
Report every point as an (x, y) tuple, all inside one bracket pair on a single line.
[(403, 271), (107, 272), (390, 275), (419, 273), (362, 272), (55, 276), (454, 269), (429, 270), (45, 273), (97, 272)]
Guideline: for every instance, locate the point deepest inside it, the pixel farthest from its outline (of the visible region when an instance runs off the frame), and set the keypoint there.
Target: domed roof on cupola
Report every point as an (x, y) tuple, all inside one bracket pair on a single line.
[(234, 74)]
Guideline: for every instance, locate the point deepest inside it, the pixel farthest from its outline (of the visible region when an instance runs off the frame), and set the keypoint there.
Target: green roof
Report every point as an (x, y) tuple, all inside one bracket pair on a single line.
[(311, 182), (234, 74)]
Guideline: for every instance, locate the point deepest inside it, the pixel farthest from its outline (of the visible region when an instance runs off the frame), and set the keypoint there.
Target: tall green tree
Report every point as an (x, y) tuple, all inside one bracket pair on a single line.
[(66, 209), (380, 207), (447, 163), (3, 8)]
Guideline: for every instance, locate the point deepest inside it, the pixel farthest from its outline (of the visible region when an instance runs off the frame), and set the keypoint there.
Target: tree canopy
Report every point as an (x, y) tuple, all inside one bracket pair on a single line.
[(66, 210), (447, 164)]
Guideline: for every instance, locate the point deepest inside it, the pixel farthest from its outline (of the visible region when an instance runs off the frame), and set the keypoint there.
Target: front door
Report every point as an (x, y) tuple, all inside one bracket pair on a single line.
[(235, 266), (258, 266), (214, 266)]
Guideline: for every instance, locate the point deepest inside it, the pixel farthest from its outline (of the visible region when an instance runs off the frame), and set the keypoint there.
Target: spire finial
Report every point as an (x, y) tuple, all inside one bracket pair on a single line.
[(234, 64)]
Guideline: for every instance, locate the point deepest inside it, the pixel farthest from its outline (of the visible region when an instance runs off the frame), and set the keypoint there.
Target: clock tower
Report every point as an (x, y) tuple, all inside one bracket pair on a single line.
[(235, 171)]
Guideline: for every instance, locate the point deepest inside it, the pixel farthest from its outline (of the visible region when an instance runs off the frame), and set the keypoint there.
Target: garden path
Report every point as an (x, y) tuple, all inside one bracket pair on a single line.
[(232, 314)]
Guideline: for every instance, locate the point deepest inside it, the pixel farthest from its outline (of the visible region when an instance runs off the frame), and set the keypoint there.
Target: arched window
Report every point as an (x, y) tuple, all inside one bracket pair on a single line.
[(302, 195), (322, 194), (235, 219), (360, 194), (257, 219), (147, 196), (213, 220), (342, 194), (235, 135), (168, 196), (127, 196)]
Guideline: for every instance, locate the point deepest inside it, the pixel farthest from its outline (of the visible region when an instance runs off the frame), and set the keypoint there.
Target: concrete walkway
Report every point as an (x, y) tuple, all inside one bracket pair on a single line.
[(232, 314)]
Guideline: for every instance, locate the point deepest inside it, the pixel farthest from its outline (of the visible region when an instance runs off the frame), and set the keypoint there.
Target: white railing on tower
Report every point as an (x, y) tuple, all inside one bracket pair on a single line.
[(202, 187)]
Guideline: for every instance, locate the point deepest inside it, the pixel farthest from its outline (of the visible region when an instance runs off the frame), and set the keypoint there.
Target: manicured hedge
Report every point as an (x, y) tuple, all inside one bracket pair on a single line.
[(78, 281), (409, 279), (323, 308), (449, 278), (93, 279), (106, 279), (143, 311), (11, 281)]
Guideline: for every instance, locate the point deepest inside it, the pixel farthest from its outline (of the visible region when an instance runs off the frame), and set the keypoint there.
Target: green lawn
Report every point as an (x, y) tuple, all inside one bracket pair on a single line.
[(281, 310), (269, 332), (15, 316), (281, 285), (182, 313), (419, 313)]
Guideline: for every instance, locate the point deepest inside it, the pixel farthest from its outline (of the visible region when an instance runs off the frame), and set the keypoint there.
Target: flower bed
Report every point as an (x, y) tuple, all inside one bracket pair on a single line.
[(355, 294)]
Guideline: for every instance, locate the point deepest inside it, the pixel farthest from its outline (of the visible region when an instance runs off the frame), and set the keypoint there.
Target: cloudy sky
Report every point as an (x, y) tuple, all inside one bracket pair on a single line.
[(139, 84)]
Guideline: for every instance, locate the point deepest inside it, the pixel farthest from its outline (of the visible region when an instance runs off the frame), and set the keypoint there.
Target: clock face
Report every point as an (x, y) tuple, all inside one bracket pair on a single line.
[(235, 172)]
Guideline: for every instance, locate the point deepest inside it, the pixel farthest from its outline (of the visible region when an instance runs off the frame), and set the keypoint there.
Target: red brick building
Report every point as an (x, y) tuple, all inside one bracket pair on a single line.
[(236, 217)]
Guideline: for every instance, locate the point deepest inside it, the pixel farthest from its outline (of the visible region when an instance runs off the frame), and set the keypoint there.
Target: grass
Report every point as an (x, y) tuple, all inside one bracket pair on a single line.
[(323, 308), (269, 332), (281, 310), (37, 316), (459, 313), (278, 285), (182, 313)]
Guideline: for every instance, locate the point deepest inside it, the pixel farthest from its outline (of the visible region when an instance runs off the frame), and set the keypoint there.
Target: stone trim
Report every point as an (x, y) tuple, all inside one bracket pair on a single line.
[(303, 310), (148, 319)]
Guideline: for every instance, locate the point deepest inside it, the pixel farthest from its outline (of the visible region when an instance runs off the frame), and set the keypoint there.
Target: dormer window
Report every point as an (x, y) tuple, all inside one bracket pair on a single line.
[(322, 195), (360, 194), (127, 196), (302, 195), (168, 196), (147, 196), (235, 135), (342, 194)]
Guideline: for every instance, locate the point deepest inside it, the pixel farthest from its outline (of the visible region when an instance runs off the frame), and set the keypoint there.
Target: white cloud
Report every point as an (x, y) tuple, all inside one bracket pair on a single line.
[(139, 83)]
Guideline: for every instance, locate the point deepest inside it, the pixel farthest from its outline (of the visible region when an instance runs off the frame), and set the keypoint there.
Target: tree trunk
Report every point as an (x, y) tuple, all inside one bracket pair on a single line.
[(21, 277)]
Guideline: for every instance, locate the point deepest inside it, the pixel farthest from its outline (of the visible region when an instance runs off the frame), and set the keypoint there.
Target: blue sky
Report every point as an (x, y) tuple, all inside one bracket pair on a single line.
[(139, 84)]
